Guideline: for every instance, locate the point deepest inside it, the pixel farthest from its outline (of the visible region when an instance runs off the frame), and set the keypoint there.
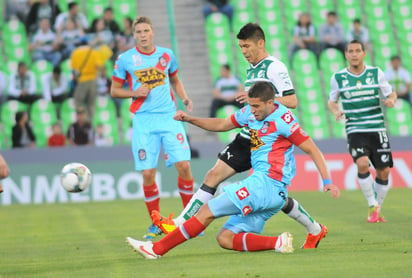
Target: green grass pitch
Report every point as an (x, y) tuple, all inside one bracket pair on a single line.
[(88, 240)]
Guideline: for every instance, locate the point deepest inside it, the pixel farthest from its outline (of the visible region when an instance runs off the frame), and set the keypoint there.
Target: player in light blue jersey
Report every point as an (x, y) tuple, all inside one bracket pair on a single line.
[(251, 202), (151, 72)]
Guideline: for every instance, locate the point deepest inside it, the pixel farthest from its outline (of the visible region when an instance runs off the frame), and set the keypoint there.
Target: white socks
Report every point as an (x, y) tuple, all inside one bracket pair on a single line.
[(202, 196), (366, 184), (381, 190), (298, 213)]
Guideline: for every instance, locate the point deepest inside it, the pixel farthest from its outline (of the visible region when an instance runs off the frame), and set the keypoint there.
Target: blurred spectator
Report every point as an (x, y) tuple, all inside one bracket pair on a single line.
[(99, 36), (45, 45), (125, 39), (22, 134), (109, 23), (80, 132), (222, 6), (17, 8), (100, 138), (304, 35), (86, 63), (358, 32), (69, 38), (3, 87), (4, 171), (57, 139), (399, 78), (225, 90), (73, 13), (41, 9), (22, 85), (331, 33), (103, 83), (55, 86)]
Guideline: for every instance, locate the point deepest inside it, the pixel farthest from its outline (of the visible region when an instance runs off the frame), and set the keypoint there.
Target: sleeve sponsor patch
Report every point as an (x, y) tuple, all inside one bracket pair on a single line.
[(287, 117)]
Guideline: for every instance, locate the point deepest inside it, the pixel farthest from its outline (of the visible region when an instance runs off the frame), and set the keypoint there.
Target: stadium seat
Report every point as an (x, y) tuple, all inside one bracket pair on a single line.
[(43, 115), (5, 141), (338, 128), (63, 4), (107, 116), (331, 60), (399, 118), (8, 112), (224, 112), (292, 10), (94, 9), (124, 8), (348, 10), (40, 68), (304, 62), (67, 113), (319, 10)]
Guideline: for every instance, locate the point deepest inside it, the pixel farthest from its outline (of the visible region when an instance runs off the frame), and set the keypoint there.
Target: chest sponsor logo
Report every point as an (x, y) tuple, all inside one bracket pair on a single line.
[(255, 141), (242, 193), (153, 77)]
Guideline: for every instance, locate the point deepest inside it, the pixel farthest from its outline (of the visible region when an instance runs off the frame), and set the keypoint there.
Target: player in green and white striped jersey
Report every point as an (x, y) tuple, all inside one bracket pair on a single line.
[(360, 89)]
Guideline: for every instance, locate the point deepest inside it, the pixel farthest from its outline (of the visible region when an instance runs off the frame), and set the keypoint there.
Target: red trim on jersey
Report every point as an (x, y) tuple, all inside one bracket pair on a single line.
[(117, 79), (146, 53), (276, 157), (233, 119), (173, 73), (298, 136), (129, 80), (139, 101)]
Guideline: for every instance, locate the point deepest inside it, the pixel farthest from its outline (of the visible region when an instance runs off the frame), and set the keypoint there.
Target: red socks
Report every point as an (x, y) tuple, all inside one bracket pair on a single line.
[(151, 197), (253, 242), (185, 190), (189, 229)]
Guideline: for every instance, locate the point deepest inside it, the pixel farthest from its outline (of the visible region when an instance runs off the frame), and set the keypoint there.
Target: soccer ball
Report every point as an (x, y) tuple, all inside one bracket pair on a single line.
[(75, 177)]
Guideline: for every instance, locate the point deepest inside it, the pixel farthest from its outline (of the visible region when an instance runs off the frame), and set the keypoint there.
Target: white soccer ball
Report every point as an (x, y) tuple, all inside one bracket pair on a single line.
[(75, 177)]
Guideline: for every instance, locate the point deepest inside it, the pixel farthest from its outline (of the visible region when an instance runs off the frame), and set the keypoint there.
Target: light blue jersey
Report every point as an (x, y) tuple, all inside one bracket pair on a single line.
[(272, 141), (153, 69)]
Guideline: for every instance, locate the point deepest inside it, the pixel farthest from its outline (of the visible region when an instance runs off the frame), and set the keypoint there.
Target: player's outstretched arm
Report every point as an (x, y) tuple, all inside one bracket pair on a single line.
[(334, 108), (211, 124), (309, 147)]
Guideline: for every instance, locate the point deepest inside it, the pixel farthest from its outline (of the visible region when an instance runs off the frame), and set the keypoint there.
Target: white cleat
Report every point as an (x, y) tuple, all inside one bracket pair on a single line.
[(284, 243), (144, 248)]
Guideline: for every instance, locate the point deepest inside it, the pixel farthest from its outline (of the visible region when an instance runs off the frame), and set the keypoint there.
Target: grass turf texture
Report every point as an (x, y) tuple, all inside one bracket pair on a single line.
[(87, 240)]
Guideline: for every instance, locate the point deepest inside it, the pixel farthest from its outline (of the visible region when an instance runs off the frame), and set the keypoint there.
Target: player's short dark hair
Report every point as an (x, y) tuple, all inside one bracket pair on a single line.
[(353, 42), (142, 19), (262, 90), (251, 31), (71, 5)]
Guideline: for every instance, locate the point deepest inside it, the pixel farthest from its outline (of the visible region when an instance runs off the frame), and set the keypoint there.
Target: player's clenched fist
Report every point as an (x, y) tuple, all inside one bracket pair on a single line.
[(181, 116), (142, 91)]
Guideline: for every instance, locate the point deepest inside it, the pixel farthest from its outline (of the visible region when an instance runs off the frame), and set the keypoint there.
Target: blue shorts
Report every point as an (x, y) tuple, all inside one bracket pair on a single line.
[(250, 203), (151, 132)]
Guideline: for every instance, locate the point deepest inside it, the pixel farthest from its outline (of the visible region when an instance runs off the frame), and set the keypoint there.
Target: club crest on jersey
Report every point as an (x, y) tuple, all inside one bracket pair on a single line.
[(152, 76), (162, 61), (142, 154), (246, 210), (265, 127), (137, 60), (255, 141), (242, 193), (359, 85)]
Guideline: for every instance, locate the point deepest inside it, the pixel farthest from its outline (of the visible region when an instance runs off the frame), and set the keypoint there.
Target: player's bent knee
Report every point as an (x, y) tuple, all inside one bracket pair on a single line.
[(225, 239)]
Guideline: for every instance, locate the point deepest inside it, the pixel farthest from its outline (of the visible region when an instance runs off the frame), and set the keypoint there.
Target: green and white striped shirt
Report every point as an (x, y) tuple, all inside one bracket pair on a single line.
[(270, 70), (360, 97)]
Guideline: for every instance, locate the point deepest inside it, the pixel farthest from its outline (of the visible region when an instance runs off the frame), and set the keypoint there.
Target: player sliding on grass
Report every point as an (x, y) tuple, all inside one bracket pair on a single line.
[(251, 202), (235, 158)]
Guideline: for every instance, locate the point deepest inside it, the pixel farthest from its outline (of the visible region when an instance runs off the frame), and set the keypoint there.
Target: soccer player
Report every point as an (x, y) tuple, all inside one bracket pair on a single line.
[(359, 87), (235, 158), (151, 72), (250, 203)]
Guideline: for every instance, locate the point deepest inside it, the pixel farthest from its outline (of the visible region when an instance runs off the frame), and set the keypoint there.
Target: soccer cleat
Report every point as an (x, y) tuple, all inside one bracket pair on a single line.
[(144, 248), (312, 241), (165, 224), (284, 243), (381, 218), (152, 232), (373, 214)]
